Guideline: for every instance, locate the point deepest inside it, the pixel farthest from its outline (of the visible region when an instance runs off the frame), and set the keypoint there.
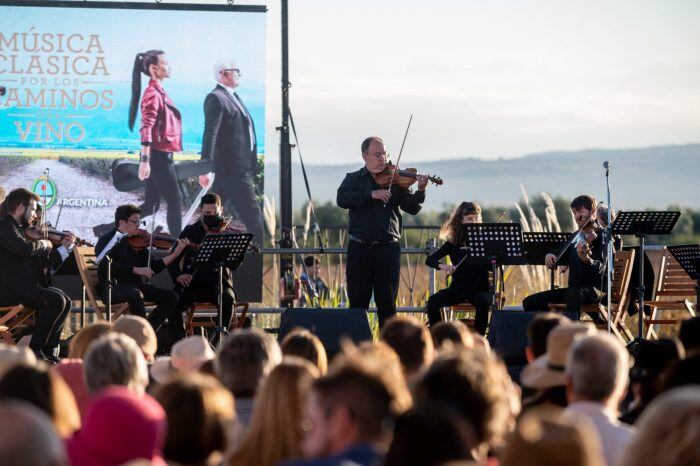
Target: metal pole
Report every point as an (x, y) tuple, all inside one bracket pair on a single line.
[(609, 246), (640, 289), (432, 273), (286, 260)]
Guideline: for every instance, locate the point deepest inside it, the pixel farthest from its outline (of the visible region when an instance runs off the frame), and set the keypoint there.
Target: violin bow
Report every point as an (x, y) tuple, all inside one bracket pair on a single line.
[(391, 181), (150, 240)]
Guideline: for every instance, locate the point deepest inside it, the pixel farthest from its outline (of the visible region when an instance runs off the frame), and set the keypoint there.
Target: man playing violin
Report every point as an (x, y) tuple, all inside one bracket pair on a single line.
[(585, 258), (130, 268), (22, 277), (202, 284), (375, 223)]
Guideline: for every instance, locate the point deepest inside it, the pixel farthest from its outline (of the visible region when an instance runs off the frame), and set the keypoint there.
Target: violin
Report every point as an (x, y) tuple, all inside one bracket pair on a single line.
[(403, 177), (587, 231), (55, 236), (142, 239)]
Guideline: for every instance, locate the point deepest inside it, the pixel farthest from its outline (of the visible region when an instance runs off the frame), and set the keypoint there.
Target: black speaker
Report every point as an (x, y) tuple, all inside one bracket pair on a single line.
[(329, 325), (508, 337)]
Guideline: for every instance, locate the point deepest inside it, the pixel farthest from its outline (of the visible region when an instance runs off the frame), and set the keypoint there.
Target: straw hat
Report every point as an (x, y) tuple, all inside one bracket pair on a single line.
[(11, 355), (186, 356), (548, 370), (140, 330)]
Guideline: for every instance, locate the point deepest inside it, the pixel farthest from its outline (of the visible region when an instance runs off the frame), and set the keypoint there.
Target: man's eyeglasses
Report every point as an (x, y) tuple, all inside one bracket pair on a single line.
[(232, 70), (135, 222)]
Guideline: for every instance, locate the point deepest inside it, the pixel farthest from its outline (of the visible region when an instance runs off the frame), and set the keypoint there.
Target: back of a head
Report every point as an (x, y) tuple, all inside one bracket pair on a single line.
[(546, 437), (11, 355), (453, 331), (668, 431), (141, 331), (245, 359), (689, 335), (304, 344), (363, 394), (115, 359), (539, 328), (411, 341), (199, 410), (27, 437), (598, 367), (683, 372), (83, 339)]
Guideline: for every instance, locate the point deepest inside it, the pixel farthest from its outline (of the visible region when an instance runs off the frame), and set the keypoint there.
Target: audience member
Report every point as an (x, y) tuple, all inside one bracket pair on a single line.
[(689, 335), (453, 331), (81, 341), (412, 342), (11, 356), (430, 437), (186, 357), (651, 361), (243, 362), (596, 369), (669, 431), (141, 331), (546, 437), (538, 331), (47, 391), (115, 359), (27, 437), (274, 435), (199, 411), (119, 426), (73, 373), (683, 372), (304, 344), (346, 418), (474, 385), (546, 373)]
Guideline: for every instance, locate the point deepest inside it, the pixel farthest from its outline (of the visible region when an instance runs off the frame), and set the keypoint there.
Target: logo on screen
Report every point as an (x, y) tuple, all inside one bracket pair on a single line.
[(45, 189)]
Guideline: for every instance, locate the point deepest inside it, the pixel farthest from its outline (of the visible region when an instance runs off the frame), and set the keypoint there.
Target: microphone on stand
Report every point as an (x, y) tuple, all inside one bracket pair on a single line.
[(2, 91), (606, 165)]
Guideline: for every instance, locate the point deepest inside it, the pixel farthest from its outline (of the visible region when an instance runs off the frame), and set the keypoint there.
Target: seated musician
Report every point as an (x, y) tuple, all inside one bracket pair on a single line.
[(202, 284), (312, 282), (22, 276), (130, 267), (470, 283), (585, 258)]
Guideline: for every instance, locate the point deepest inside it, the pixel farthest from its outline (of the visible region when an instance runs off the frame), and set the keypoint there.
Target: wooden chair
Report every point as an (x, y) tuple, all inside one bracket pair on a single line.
[(469, 307), (12, 320), (623, 263), (88, 274), (674, 292), (204, 315)]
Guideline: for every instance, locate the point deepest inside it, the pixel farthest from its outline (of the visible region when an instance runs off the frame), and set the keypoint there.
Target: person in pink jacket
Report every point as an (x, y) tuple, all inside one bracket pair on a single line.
[(161, 136)]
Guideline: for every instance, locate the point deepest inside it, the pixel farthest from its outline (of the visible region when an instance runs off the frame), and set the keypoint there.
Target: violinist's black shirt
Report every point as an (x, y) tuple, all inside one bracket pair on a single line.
[(124, 259)]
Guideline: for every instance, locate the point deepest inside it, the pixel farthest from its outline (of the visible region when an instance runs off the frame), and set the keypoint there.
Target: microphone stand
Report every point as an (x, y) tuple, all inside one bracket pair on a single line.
[(608, 244)]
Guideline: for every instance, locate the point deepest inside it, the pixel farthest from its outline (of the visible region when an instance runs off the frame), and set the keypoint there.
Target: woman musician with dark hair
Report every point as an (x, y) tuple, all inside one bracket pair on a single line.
[(161, 135), (469, 282)]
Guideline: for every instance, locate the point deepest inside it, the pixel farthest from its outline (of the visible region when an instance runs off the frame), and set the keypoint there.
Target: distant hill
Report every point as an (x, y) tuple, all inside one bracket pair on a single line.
[(639, 178)]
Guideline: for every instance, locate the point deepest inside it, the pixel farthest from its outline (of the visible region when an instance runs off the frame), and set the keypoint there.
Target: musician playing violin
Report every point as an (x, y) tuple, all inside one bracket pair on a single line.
[(22, 276), (470, 282), (130, 268), (586, 263), (201, 284), (375, 224)]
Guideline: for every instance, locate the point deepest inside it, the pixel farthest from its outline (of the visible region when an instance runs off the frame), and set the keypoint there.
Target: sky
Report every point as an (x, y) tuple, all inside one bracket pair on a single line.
[(486, 79)]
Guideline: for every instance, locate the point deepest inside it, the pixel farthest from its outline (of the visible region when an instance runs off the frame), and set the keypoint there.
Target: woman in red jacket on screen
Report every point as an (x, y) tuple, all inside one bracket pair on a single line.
[(161, 136)]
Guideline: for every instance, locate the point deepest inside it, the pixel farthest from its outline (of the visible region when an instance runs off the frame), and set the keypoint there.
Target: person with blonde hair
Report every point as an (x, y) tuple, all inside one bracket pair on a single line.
[(304, 344), (275, 429), (669, 431), (199, 410), (141, 331), (81, 341)]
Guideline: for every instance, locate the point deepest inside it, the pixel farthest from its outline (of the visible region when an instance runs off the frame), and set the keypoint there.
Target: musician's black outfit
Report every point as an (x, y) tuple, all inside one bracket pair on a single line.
[(470, 282), (129, 287), (374, 252), (587, 281), (25, 279), (204, 286)]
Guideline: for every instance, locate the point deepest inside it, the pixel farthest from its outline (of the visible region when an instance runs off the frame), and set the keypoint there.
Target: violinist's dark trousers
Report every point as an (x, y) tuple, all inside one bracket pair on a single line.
[(136, 295), (374, 268), (52, 307), (163, 184), (207, 293), (237, 190), (451, 296), (573, 296)]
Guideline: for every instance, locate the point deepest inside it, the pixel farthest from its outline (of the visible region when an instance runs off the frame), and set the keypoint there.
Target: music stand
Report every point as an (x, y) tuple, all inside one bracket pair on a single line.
[(688, 255), (222, 250), (495, 244), (641, 224), (538, 244)]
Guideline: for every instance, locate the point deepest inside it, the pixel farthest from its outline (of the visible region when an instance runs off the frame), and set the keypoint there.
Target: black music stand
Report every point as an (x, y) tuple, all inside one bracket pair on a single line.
[(641, 224), (538, 244), (688, 255), (495, 244), (222, 250)]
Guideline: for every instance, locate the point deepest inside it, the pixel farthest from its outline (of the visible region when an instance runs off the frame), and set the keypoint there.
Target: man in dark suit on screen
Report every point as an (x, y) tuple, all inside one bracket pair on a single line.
[(229, 143)]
